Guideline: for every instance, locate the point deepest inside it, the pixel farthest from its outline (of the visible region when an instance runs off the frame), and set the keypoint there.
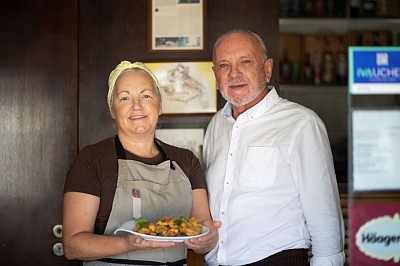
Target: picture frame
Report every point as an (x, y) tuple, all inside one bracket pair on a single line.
[(176, 26), (188, 138), (186, 87)]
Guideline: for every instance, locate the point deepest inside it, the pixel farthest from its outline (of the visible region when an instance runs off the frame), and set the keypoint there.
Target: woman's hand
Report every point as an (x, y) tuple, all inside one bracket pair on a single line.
[(138, 242), (204, 244), (81, 243)]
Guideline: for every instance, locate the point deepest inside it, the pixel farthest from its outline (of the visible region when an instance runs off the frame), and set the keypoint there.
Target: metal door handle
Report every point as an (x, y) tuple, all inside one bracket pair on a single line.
[(58, 249), (57, 230)]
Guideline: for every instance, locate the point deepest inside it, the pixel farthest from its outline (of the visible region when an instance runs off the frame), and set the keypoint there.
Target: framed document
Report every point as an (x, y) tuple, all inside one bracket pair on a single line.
[(176, 25), (186, 87)]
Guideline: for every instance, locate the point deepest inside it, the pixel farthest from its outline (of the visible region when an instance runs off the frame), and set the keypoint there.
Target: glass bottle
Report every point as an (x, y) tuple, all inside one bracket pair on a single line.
[(330, 8), (295, 8), (296, 71), (341, 67), (368, 8), (382, 9), (317, 69), (308, 7), (327, 68), (327, 71), (319, 8), (376, 39), (308, 70), (284, 8), (340, 8), (355, 8), (285, 69)]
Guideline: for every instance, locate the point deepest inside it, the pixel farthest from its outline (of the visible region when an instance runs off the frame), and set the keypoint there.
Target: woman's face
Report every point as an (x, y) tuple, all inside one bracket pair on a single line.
[(136, 107)]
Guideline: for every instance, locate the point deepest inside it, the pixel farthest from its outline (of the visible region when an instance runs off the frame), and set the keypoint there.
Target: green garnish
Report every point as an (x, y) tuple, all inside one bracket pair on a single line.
[(179, 221), (141, 222)]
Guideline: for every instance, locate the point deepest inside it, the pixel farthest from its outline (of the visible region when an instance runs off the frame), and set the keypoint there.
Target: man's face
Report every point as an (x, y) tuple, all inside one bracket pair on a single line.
[(241, 69)]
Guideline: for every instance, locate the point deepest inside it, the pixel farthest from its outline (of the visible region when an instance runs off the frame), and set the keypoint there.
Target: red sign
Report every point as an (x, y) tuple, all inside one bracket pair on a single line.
[(374, 231)]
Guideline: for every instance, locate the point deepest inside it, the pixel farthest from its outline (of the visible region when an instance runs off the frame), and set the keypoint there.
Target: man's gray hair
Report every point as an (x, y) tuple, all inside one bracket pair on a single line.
[(245, 31)]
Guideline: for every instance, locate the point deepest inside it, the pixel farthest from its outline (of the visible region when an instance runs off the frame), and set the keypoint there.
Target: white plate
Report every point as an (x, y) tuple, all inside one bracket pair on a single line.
[(129, 225)]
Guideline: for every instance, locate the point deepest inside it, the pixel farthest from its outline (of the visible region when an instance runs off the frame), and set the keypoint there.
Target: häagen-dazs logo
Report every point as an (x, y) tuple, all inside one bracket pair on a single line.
[(379, 238)]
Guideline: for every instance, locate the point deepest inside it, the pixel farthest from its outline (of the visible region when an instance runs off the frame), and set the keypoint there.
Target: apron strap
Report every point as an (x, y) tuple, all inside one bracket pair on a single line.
[(164, 154), (121, 154), (119, 149)]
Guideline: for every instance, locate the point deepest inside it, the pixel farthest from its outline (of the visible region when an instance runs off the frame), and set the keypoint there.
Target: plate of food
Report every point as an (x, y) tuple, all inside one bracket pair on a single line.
[(176, 229)]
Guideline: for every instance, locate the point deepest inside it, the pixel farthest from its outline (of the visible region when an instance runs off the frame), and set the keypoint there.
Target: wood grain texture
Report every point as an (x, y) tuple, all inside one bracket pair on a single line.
[(38, 105)]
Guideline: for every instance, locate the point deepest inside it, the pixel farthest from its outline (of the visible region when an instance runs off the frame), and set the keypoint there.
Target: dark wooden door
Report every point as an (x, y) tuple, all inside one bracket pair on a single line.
[(38, 125)]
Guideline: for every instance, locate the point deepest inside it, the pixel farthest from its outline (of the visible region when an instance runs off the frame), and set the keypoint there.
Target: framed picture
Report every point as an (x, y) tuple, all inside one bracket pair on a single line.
[(176, 25), (188, 138), (186, 87)]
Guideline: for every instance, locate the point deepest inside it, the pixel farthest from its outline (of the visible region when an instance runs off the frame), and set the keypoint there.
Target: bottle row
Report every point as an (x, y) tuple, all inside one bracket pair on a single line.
[(312, 8), (339, 8), (375, 8), (321, 59)]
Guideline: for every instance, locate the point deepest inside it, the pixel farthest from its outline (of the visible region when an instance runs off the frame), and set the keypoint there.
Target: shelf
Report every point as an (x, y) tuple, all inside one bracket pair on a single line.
[(372, 24), (304, 88), (336, 25), (312, 25)]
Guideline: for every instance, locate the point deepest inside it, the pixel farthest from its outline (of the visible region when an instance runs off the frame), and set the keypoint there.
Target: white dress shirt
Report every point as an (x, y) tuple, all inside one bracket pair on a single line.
[(272, 184)]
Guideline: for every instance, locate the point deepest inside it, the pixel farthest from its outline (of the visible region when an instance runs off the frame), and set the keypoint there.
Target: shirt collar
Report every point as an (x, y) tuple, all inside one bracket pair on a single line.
[(255, 111)]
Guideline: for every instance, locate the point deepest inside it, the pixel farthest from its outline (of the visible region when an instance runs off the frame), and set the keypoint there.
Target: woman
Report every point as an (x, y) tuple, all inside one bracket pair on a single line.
[(132, 175)]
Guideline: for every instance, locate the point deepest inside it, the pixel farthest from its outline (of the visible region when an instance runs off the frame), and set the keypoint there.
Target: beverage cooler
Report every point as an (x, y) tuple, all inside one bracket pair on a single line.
[(374, 156)]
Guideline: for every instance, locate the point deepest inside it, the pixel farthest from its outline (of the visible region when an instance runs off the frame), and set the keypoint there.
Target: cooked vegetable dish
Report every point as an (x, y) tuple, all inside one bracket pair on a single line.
[(169, 226)]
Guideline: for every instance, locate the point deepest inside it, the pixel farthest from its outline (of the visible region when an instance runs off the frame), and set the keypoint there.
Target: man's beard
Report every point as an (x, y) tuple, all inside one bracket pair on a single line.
[(246, 100)]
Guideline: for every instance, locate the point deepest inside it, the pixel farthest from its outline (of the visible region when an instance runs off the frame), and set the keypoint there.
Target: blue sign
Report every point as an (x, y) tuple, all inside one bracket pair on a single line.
[(374, 70)]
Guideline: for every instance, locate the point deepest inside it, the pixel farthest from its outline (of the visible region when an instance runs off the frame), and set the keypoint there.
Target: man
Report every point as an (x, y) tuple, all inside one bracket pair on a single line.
[(269, 168)]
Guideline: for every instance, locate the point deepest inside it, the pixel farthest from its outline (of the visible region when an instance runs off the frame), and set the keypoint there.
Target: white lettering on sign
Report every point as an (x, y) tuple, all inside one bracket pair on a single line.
[(382, 59)]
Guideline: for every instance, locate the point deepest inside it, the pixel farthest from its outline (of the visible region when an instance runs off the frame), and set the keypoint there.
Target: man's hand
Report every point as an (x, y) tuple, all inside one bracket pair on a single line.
[(204, 244)]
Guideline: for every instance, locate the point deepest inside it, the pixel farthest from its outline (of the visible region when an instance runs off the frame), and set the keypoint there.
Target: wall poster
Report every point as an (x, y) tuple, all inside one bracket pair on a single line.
[(376, 149), (176, 25), (186, 87)]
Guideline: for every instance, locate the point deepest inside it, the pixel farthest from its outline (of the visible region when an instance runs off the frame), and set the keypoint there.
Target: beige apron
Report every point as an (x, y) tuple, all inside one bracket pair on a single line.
[(154, 191)]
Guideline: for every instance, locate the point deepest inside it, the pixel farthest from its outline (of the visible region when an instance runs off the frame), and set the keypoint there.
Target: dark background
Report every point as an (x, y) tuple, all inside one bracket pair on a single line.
[(55, 58)]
